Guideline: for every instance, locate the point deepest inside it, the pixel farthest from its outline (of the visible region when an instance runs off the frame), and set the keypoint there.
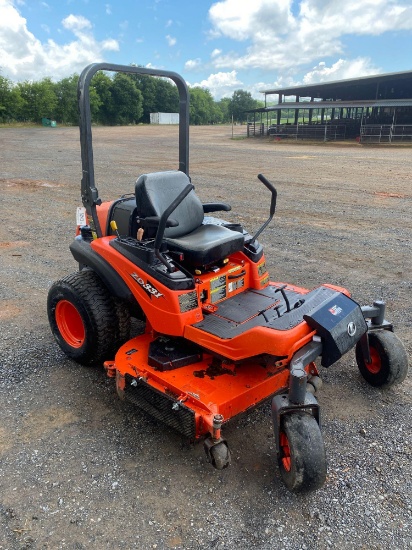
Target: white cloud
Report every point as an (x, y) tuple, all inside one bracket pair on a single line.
[(76, 23), (241, 19), (276, 38), (151, 66), (169, 23), (23, 56), (192, 64), (342, 69), (256, 89), (110, 44), (221, 84), (215, 52), (108, 9), (171, 40)]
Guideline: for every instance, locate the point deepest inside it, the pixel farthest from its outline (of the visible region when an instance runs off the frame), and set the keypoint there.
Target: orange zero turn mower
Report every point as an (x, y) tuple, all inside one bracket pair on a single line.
[(219, 337)]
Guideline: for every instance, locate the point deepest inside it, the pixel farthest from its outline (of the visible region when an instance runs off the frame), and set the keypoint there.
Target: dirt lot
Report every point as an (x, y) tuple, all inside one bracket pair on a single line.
[(82, 470)]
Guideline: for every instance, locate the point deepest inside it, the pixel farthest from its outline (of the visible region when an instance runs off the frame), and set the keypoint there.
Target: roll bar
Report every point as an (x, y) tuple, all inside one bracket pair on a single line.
[(90, 194)]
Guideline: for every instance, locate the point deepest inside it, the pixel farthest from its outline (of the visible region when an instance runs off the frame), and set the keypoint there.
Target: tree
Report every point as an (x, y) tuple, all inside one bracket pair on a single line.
[(159, 95), (102, 98), (127, 101), (10, 100), (116, 100), (39, 99), (217, 115), (224, 106), (241, 101), (202, 107), (66, 91), (167, 96), (148, 87)]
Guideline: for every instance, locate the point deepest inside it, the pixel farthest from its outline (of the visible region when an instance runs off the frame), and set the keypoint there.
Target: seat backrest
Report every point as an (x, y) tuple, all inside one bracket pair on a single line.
[(157, 190)]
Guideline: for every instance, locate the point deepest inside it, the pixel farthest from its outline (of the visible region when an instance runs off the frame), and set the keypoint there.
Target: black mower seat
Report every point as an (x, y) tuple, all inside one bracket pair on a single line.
[(200, 244)]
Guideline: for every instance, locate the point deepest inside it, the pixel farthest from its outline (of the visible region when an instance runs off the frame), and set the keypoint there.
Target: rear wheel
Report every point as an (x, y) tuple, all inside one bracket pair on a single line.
[(301, 459), (123, 323), (389, 360), (82, 317)]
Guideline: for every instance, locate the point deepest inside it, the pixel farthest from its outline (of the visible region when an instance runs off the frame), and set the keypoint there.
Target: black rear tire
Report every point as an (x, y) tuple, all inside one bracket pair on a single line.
[(389, 363), (302, 459), (82, 317), (123, 324)]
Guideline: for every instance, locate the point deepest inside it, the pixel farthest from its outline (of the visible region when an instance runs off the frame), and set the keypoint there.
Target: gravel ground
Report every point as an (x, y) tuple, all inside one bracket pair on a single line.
[(82, 470)]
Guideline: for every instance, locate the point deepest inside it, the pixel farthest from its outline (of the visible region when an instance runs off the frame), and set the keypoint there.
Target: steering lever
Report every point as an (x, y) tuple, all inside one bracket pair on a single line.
[(272, 189)]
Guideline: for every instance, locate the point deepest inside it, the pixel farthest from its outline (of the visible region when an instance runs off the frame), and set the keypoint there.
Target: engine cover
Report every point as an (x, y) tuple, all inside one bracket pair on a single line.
[(340, 323)]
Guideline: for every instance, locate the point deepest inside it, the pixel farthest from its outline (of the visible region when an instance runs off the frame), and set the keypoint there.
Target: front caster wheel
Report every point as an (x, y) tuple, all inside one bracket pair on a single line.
[(218, 454), (314, 384), (301, 458), (389, 360)]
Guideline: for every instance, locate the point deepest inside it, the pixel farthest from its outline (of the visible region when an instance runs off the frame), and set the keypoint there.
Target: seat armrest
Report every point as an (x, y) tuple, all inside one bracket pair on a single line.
[(153, 221), (216, 207)]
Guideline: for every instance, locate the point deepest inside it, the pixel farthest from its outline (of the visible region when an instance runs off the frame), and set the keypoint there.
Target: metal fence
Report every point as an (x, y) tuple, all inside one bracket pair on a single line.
[(385, 133), (255, 129), (323, 132), (239, 131), (366, 133)]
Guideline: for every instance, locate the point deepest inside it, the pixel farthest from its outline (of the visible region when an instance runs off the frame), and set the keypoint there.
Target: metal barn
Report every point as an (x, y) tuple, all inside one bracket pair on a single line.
[(370, 109)]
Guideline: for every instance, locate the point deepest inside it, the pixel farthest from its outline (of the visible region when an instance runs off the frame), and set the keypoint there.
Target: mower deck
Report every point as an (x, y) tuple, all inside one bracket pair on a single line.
[(199, 390)]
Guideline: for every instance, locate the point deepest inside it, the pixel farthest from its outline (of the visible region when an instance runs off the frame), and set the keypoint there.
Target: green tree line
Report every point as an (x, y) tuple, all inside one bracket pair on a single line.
[(115, 100)]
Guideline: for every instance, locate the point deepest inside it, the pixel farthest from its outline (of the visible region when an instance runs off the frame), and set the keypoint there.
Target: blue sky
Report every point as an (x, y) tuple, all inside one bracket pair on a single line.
[(224, 46)]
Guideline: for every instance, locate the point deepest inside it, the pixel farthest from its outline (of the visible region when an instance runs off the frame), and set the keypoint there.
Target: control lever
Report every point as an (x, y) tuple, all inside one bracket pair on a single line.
[(281, 289), (163, 222), (272, 189), (113, 226)]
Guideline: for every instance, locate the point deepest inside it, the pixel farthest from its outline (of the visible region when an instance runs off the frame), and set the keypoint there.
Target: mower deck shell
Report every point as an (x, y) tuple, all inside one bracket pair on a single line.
[(204, 387)]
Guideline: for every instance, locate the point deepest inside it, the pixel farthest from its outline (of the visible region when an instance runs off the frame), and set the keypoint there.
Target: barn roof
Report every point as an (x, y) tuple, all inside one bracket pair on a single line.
[(334, 105), (382, 86)]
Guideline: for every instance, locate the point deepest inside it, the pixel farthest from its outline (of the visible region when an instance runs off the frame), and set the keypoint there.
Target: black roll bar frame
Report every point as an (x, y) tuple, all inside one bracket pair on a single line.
[(89, 191)]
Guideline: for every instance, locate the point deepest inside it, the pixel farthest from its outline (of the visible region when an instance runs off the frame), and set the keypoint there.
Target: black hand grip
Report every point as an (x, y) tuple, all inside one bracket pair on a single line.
[(216, 207), (166, 214), (237, 275), (265, 181), (272, 189)]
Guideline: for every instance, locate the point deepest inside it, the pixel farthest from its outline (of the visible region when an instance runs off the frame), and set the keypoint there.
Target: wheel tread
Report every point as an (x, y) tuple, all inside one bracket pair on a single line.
[(393, 356), (307, 453), (95, 303)]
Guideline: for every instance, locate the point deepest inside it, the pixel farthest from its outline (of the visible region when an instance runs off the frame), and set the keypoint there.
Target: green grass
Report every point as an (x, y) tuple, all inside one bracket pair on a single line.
[(19, 125)]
